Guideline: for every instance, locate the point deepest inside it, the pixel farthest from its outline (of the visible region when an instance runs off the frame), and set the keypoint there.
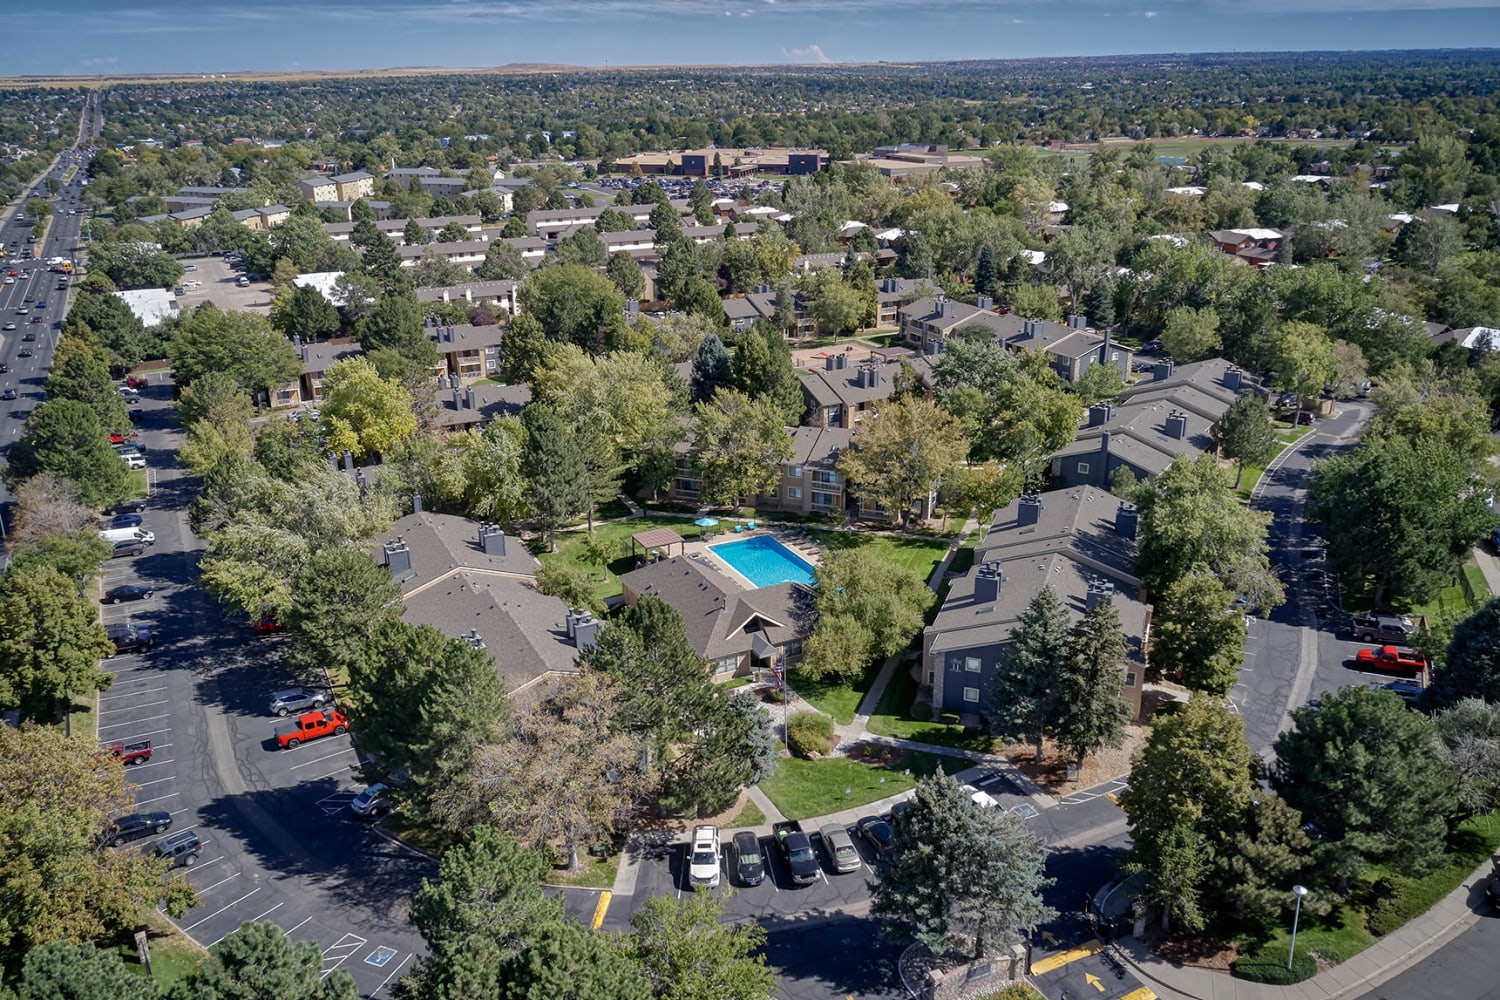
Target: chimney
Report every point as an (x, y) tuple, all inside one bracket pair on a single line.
[(1104, 349), (569, 619), (1234, 379), (1162, 371), (1028, 509), (586, 630), (1126, 518), (932, 347), (828, 362), (458, 402), (397, 556), (1077, 321), (1104, 451), (1177, 425), (1099, 414), (632, 307), (416, 503), (841, 361), (1028, 329), (984, 302), (943, 308), (469, 398), (492, 539), (987, 580), (1100, 592), (304, 352), (348, 461)]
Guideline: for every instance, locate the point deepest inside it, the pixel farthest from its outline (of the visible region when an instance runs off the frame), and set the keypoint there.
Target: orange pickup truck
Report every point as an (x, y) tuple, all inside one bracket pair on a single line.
[(311, 726)]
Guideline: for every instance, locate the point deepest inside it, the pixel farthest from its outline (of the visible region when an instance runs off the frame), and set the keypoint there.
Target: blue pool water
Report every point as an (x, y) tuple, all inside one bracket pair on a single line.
[(764, 561)]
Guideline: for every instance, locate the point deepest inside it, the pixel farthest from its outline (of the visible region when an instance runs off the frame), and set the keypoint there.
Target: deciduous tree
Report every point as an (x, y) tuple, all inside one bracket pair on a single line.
[(866, 608), (689, 952), (51, 642), (1471, 666), (340, 599), (63, 437), (739, 446), (362, 412), (1246, 435), (1199, 639), (902, 452)]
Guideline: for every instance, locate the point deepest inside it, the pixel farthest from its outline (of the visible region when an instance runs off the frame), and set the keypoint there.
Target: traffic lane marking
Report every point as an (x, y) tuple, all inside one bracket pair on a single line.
[(600, 909), (1062, 958)]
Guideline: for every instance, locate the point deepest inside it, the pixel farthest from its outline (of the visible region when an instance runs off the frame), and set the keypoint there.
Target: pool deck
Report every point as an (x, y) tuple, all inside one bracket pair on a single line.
[(800, 544)]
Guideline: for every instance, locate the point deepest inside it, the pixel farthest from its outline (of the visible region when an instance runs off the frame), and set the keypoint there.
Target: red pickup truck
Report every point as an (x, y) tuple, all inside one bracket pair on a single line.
[(131, 753), (1390, 660), (311, 726)]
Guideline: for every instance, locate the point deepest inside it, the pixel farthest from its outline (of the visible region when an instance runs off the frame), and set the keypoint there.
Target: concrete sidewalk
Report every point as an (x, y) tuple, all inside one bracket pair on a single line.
[(1383, 960)]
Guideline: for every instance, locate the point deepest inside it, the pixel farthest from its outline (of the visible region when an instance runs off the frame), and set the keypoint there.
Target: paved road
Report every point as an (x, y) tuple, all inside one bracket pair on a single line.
[(1465, 967)]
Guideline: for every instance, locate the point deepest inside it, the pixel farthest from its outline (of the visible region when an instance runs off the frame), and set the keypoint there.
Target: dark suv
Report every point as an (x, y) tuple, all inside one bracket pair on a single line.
[(129, 638), (135, 826), (182, 848), (129, 547), (1384, 629)]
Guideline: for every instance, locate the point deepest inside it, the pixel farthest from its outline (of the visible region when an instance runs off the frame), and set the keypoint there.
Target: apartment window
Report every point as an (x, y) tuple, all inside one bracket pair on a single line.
[(793, 647), (1083, 468), (971, 664), (971, 695), (793, 493), (727, 663), (687, 485), (822, 499), (1130, 678), (831, 478), (794, 472)]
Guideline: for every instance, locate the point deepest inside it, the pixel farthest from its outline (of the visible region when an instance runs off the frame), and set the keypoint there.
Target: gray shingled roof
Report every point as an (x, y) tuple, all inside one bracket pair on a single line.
[(715, 610), (441, 544)]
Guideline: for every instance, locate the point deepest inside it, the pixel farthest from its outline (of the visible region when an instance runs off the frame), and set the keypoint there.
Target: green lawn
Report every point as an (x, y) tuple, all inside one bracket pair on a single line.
[(616, 540), (802, 789), (173, 955), (921, 556), (839, 699), (892, 717), (593, 873), (83, 714), (139, 486), (1384, 900), (749, 815)]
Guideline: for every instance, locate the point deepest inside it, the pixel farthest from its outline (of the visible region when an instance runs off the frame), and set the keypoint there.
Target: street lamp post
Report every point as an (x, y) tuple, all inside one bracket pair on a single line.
[(1299, 891)]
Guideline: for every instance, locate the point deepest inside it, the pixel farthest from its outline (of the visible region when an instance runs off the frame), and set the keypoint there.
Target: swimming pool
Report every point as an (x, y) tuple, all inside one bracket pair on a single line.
[(764, 561)]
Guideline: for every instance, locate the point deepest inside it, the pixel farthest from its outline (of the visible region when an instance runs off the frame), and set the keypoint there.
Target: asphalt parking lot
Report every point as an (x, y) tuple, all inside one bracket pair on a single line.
[(218, 285), (279, 841)]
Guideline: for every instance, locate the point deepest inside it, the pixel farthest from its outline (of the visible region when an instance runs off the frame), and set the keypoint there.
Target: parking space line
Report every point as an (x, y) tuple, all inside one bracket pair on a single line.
[(225, 907), (273, 909), (342, 770), (393, 974), (153, 781), (293, 930), (227, 878), (154, 732), (169, 795), (153, 762), (135, 708), (358, 943), (600, 909), (149, 718), (1140, 994), (318, 760), (134, 680)]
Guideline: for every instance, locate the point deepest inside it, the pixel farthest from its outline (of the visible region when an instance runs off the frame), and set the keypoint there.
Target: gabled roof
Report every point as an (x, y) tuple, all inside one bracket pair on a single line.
[(443, 544), (1072, 541), (716, 611), (818, 445), (320, 357), (523, 629), (491, 402)]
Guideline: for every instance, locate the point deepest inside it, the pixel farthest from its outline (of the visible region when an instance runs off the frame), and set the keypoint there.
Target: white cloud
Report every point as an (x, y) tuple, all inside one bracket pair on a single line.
[(1148, 13), (809, 54)]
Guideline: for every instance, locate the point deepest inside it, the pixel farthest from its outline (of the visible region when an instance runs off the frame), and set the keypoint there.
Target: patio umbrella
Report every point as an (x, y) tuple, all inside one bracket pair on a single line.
[(707, 522)]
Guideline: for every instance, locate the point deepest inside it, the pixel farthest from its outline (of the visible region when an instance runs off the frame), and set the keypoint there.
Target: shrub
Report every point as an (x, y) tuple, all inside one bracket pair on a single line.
[(808, 733), (1399, 899), (1262, 968)]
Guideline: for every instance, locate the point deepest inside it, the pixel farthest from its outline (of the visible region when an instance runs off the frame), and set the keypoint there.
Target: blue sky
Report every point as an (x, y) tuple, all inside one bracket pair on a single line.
[(109, 36)]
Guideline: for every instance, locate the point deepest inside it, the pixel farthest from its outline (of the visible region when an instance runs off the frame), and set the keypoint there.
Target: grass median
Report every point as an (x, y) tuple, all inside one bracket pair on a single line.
[(802, 789)]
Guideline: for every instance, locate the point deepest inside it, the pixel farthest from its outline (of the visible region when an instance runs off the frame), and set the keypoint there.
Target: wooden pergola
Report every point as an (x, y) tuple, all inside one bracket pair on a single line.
[(658, 538)]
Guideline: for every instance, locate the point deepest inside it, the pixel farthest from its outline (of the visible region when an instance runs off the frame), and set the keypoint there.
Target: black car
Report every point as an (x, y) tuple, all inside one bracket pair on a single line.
[(4, 367), (9, 393), (877, 833), (129, 592), (135, 826), (127, 507), (749, 863), (24, 352), (129, 638)]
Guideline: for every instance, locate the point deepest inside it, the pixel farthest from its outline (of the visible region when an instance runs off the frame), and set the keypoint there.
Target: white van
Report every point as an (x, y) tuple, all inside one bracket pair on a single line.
[(127, 535)]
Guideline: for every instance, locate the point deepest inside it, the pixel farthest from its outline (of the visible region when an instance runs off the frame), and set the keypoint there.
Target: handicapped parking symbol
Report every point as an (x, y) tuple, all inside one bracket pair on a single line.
[(380, 956)]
